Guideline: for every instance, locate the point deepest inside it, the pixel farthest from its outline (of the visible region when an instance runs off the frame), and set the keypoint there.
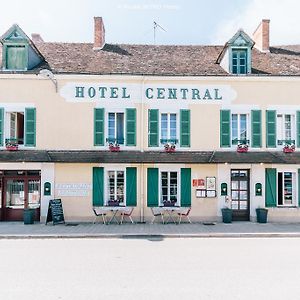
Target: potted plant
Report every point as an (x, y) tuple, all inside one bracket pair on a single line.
[(242, 147), (11, 144), (170, 147), (114, 147), (227, 211), (262, 215), (288, 148)]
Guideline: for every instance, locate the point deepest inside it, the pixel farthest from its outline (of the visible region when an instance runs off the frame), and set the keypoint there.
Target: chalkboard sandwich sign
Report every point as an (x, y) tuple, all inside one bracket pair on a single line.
[(55, 212)]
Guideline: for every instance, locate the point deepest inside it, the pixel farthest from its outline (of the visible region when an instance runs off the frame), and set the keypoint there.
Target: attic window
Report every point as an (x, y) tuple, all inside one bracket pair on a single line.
[(239, 61), (16, 58)]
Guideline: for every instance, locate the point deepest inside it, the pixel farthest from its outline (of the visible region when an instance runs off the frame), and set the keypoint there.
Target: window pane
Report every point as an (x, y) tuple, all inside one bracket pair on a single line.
[(111, 185), (288, 188), (164, 126), (288, 127), (34, 193), (120, 186), (234, 127), (243, 127), (15, 193), (111, 126), (120, 128), (173, 126)]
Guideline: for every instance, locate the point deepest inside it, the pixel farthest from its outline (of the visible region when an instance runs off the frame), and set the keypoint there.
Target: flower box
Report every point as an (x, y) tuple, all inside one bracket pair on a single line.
[(12, 147), (289, 148), (242, 148), (170, 147), (114, 147)]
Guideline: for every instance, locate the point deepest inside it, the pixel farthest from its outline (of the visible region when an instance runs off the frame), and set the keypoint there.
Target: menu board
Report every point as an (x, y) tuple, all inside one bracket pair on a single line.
[(55, 212)]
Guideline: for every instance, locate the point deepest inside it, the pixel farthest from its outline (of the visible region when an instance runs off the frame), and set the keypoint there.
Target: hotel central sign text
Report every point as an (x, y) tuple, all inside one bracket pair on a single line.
[(82, 92)]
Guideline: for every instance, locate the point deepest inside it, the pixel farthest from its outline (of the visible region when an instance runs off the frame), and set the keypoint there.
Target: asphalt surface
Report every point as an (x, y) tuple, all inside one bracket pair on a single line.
[(150, 268)]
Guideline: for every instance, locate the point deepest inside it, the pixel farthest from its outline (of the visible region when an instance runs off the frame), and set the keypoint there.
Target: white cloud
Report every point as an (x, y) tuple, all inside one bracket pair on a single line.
[(284, 21)]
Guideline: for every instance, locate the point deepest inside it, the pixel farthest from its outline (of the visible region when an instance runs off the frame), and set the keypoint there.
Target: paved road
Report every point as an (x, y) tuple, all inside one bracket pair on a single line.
[(150, 269)]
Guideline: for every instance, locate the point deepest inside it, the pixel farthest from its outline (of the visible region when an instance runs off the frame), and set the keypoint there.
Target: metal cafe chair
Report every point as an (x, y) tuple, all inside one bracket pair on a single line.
[(184, 214), (100, 213), (127, 213), (157, 213)]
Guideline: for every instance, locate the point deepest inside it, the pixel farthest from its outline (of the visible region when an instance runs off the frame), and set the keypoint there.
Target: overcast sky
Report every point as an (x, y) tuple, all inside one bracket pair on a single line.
[(131, 21)]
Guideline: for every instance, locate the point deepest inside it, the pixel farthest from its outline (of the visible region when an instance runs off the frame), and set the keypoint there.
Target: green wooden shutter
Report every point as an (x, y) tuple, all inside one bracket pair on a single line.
[(30, 127), (256, 128), (271, 128), (131, 190), (98, 186), (16, 57), (185, 116), (299, 187), (131, 127), (153, 127), (298, 128), (185, 190), (225, 128), (1, 126), (99, 127), (271, 187), (152, 187)]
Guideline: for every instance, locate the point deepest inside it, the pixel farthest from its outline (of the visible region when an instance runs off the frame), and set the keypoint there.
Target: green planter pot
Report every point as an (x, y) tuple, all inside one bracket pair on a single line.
[(262, 215), (227, 215), (28, 215)]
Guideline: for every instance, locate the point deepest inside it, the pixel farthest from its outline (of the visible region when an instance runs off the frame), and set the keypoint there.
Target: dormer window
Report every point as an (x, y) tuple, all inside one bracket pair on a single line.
[(19, 52), (239, 61), (235, 57)]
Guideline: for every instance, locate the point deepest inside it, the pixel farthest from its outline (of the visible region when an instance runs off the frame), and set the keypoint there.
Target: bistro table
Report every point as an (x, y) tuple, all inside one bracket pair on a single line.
[(169, 211), (114, 210)]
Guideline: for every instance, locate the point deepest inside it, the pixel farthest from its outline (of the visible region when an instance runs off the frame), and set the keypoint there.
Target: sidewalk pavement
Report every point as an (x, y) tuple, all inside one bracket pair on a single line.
[(16, 230)]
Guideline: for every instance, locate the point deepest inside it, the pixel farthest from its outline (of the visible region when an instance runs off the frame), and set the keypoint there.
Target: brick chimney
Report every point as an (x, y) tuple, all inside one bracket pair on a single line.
[(99, 33), (36, 38), (261, 36)]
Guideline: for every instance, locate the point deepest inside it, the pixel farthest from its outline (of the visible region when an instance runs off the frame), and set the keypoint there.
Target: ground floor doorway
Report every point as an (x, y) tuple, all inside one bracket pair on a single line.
[(19, 190), (240, 194)]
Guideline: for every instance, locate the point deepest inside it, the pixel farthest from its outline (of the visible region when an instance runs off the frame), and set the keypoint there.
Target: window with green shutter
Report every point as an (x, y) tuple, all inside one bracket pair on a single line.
[(256, 128), (1, 126), (153, 127), (152, 187), (30, 127), (131, 186), (271, 128), (225, 128), (98, 186), (185, 190), (271, 187), (185, 116), (99, 127), (131, 127)]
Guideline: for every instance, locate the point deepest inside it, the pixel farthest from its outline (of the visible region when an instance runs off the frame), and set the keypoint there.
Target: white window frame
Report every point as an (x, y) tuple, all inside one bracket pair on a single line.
[(106, 184), (7, 124), (280, 128), (248, 124), (117, 111), (294, 188), (168, 125), (160, 202)]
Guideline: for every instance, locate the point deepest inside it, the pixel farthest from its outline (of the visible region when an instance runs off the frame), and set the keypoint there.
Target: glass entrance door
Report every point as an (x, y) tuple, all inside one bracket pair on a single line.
[(240, 195), (20, 193)]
